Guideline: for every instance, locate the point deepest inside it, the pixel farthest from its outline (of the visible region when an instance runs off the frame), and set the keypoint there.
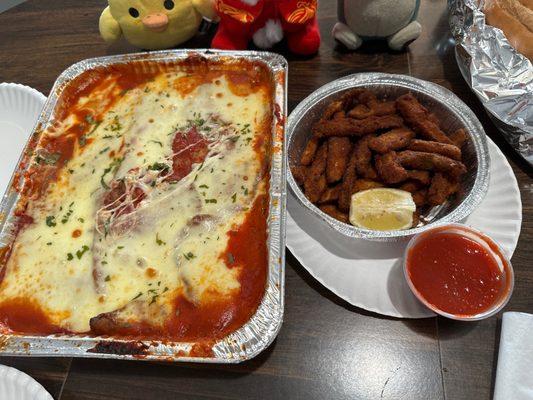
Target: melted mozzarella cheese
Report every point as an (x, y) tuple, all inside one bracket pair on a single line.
[(174, 240)]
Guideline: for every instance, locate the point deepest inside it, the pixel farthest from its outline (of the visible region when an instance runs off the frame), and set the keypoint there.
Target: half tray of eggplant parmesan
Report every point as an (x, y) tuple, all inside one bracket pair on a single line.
[(145, 218)]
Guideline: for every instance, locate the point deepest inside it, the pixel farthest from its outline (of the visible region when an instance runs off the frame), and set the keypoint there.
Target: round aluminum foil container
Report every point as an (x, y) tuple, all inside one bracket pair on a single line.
[(452, 113)]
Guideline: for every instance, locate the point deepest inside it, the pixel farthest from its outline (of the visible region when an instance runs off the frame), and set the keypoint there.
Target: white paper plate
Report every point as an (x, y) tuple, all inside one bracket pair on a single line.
[(20, 107), (368, 274), (16, 385)]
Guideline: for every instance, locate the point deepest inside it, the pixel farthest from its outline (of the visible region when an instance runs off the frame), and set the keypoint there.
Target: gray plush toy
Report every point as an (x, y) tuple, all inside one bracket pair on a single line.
[(393, 20)]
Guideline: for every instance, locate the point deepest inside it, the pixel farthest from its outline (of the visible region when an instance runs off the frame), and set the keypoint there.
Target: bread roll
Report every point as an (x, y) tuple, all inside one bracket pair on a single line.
[(520, 37), (518, 11), (527, 3)]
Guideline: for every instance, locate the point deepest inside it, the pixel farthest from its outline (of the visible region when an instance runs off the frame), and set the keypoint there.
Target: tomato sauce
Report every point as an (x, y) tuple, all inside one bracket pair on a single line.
[(455, 273), (189, 148), (218, 318), (23, 315), (205, 322)]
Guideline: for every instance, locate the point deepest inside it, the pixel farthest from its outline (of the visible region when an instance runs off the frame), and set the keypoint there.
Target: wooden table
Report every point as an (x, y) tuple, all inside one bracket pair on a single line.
[(326, 347)]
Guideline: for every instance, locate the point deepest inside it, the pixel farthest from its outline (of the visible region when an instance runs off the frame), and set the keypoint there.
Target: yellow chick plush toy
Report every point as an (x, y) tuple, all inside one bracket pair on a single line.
[(154, 24)]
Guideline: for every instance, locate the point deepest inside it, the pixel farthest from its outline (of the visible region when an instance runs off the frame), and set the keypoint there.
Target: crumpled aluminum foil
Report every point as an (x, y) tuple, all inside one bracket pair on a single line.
[(501, 77)]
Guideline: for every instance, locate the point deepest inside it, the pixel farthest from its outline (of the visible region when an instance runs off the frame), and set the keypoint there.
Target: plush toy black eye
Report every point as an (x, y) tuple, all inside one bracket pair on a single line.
[(133, 12), (169, 4)]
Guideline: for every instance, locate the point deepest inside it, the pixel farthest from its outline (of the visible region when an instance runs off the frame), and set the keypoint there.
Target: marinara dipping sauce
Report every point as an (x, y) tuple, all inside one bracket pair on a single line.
[(458, 272)]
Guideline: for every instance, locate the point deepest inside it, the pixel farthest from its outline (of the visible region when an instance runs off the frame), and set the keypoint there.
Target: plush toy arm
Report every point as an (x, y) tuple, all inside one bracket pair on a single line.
[(206, 8), (109, 27), (346, 36)]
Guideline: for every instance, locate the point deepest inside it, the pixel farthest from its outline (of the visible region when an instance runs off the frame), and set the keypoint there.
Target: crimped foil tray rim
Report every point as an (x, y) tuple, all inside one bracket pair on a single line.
[(262, 328), (472, 124)]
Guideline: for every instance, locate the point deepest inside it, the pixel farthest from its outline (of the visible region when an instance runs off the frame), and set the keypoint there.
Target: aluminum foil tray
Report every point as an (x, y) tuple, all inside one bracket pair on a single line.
[(243, 344), (500, 77), (452, 113)]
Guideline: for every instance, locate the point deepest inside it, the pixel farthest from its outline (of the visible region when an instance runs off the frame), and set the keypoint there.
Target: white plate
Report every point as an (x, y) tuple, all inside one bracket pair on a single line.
[(20, 107), (16, 385), (368, 274)]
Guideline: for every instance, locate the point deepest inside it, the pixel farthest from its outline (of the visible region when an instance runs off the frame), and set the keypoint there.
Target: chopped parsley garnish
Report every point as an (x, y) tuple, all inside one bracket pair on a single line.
[(234, 197), (104, 150), (115, 124), (204, 186), (47, 158), (157, 142), (197, 120), (82, 140), (65, 218), (231, 258), (51, 221), (49, 243), (106, 228), (81, 220), (159, 241), (107, 278), (157, 166), (189, 255), (154, 298), (138, 295), (120, 247), (113, 167), (70, 256), (210, 200), (82, 251)]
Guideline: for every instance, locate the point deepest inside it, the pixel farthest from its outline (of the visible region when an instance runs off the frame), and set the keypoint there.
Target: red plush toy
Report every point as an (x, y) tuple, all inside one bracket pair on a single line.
[(266, 21)]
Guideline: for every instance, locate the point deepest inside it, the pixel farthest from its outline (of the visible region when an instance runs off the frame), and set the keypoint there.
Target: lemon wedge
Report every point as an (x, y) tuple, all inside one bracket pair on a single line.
[(382, 209)]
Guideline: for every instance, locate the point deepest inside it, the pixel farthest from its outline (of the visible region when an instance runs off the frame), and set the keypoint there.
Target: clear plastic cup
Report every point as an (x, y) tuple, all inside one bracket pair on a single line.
[(494, 250)]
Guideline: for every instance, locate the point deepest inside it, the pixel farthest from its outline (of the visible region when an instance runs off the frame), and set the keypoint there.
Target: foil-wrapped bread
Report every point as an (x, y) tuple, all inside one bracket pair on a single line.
[(515, 19)]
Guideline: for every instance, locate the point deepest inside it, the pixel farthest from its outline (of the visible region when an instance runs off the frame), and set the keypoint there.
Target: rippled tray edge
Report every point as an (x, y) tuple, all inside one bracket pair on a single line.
[(307, 111), (261, 330)]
